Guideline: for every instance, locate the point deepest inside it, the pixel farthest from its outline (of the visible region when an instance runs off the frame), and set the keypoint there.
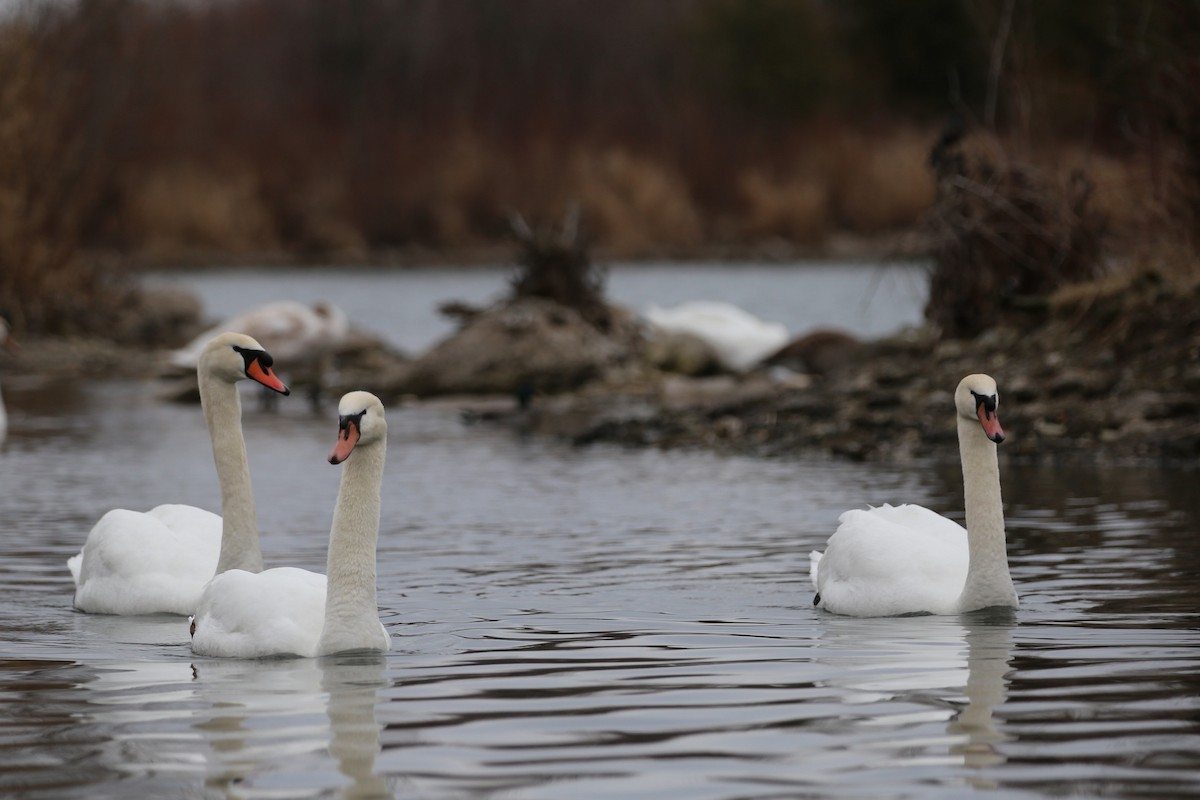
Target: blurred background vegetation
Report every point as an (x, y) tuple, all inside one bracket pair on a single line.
[(186, 132)]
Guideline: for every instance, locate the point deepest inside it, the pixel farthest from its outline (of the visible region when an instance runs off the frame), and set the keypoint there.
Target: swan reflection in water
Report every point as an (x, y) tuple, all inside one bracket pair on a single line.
[(260, 710), (350, 682), (907, 671)]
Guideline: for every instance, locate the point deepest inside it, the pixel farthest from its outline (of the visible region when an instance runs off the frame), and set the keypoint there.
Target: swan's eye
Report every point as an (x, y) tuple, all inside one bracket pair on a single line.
[(250, 356), (987, 401), (346, 421)]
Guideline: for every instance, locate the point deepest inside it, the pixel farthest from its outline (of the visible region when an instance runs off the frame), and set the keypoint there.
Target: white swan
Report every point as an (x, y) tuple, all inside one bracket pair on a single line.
[(289, 611), (907, 559), (739, 339), (159, 561), (302, 339), (9, 344)]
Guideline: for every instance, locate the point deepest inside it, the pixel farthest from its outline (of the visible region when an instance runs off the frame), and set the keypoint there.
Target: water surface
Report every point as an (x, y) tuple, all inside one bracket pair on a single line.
[(595, 623)]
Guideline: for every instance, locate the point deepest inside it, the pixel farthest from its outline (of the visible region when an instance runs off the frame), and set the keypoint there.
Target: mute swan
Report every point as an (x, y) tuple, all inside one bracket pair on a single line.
[(301, 338), (9, 344), (739, 339), (159, 561), (908, 560), (289, 611)]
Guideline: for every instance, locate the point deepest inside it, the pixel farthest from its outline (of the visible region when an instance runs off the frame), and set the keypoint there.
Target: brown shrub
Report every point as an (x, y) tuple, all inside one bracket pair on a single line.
[(635, 204), (184, 209), (1004, 231), (795, 208), (840, 180), (554, 265), (455, 190), (878, 183), (55, 126)]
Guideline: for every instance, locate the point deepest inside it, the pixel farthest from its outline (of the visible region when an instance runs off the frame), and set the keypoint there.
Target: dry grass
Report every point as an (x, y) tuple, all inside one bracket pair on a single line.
[(454, 191), (50, 186), (794, 207), (634, 205), (840, 180), (1005, 233), (460, 181), (879, 182), (185, 209), (1140, 196)]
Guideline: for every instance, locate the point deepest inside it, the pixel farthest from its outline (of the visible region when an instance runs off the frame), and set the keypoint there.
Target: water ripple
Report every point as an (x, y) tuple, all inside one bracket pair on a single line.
[(598, 623)]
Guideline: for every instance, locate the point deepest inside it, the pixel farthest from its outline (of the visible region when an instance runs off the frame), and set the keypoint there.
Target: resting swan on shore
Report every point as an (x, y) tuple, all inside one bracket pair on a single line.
[(158, 561), (301, 338), (907, 559), (738, 339), (289, 611)]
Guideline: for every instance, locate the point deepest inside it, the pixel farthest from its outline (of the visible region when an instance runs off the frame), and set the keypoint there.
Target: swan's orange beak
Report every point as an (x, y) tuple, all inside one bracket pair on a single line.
[(256, 371), (347, 438), (991, 424)]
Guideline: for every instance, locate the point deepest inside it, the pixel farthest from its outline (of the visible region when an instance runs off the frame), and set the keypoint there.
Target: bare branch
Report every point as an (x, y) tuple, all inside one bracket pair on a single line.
[(997, 63), (520, 227), (570, 228)]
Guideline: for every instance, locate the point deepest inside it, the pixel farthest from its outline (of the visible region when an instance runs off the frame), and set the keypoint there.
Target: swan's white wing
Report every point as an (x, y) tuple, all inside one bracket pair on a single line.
[(187, 520), (147, 563), (279, 611), (893, 560)]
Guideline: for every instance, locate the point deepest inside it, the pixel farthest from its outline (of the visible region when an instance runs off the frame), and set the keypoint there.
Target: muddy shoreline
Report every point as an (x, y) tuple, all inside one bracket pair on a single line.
[(1097, 373)]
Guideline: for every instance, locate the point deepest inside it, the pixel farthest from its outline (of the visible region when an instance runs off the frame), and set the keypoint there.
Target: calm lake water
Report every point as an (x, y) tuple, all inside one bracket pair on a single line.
[(589, 623)]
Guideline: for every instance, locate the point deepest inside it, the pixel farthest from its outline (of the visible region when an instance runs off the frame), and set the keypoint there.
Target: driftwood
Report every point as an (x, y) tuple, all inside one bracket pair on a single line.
[(554, 265)]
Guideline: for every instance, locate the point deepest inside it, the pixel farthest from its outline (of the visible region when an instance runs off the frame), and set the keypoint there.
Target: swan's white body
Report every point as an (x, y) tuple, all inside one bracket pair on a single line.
[(296, 335), (159, 561), (287, 611), (739, 339), (147, 562), (895, 560)]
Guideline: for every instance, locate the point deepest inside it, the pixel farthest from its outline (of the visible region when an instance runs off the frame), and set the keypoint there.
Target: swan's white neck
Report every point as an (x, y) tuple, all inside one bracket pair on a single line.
[(240, 548), (988, 581), (351, 610)]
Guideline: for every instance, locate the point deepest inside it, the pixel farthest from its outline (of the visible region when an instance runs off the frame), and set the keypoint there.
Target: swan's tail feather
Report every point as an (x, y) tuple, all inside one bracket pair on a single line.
[(75, 563)]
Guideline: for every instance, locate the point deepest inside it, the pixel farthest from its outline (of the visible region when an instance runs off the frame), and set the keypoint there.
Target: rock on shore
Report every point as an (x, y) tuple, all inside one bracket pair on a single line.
[(1097, 371)]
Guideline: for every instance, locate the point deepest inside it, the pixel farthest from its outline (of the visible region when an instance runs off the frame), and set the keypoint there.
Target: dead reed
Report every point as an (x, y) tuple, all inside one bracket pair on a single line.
[(1004, 235), (554, 265), (52, 184)]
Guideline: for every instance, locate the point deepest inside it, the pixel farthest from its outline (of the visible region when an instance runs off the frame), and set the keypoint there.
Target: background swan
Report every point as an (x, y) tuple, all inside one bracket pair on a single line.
[(739, 339), (302, 339), (288, 611), (9, 344), (159, 561), (907, 559)]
